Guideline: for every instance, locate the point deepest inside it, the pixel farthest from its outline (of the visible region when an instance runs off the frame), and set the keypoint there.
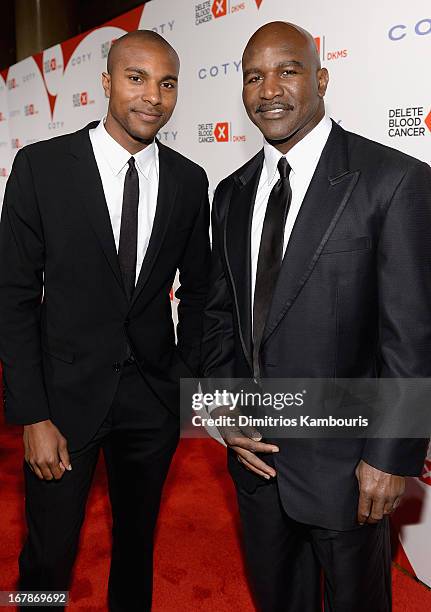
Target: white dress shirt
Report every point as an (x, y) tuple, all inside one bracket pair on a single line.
[(112, 161), (303, 159)]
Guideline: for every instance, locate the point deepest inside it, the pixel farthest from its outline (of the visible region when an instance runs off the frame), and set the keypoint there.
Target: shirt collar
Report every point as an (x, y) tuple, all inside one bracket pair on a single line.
[(117, 157), (303, 155)]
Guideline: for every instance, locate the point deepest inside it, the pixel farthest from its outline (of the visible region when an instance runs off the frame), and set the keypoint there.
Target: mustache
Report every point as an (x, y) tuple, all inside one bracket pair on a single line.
[(263, 108)]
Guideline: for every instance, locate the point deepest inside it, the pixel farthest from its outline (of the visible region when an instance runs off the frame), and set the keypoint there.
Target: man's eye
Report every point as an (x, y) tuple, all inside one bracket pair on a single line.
[(135, 78), (253, 79), (168, 85), (289, 72)]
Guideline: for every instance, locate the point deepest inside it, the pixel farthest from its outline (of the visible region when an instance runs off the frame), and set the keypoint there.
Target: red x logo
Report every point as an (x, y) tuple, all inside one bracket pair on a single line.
[(219, 8), (221, 132)]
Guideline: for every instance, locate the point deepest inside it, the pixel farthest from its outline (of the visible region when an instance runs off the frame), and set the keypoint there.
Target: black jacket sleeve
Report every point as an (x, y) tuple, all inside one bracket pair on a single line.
[(218, 347), (404, 281), (193, 276), (22, 255)]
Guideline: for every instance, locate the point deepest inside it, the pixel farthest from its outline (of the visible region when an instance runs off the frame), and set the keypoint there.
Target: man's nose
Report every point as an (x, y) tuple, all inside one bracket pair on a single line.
[(151, 92), (271, 88)]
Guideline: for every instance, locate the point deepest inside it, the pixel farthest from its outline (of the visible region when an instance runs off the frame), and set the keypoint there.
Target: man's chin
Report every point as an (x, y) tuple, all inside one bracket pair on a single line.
[(277, 137), (274, 133), (144, 135)]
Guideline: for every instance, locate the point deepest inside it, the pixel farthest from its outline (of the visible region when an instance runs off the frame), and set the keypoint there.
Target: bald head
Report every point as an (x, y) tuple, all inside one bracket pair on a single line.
[(284, 34), (141, 83), (283, 83), (137, 37)]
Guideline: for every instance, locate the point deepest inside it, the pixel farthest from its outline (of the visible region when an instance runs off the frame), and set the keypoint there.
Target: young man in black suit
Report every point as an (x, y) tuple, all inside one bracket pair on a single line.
[(321, 269), (94, 226)]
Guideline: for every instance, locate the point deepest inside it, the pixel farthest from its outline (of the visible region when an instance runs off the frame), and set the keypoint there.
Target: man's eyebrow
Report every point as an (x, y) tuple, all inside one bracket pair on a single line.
[(143, 72), (170, 77), (250, 71), (291, 63), (280, 65)]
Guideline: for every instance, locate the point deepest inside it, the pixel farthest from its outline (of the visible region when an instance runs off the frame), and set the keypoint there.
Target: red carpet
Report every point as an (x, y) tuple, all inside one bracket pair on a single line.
[(198, 559)]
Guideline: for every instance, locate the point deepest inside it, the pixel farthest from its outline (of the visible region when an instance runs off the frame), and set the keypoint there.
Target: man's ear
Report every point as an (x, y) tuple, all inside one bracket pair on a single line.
[(106, 83), (323, 80)]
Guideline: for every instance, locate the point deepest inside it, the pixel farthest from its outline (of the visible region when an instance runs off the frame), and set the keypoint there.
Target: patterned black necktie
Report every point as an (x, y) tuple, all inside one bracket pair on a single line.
[(128, 246), (270, 255)]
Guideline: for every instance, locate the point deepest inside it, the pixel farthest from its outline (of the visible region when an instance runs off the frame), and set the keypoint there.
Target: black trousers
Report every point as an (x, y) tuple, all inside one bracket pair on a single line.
[(138, 439), (285, 560)]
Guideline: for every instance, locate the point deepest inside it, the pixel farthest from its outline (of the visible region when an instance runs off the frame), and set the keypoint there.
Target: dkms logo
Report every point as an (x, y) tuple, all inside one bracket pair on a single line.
[(29, 109), (51, 65), (213, 132), (327, 56), (218, 132), (214, 9), (81, 99)]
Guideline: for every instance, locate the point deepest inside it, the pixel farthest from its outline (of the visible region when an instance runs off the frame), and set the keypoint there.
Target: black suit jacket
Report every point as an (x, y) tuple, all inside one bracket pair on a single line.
[(353, 299), (65, 320)]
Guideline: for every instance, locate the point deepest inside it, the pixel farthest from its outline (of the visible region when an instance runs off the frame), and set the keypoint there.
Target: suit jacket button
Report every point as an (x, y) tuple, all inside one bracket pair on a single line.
[(116, 366)]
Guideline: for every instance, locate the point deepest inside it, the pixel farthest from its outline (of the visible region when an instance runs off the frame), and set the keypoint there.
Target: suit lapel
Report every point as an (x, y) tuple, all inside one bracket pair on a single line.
[(86, 187), (324, 202), (167, 193), (237, 243)]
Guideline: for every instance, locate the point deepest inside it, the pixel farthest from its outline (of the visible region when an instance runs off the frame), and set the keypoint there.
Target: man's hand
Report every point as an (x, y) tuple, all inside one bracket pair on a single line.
[(379, 493), (46, 450), (245, 441)]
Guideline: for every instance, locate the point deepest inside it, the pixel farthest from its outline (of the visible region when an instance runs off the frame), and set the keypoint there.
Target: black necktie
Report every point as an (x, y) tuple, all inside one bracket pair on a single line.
[(127, 248), (270, 255)]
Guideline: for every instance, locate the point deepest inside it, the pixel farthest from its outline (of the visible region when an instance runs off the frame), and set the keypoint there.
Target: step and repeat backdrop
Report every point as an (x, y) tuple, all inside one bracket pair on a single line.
[(377, 54)]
